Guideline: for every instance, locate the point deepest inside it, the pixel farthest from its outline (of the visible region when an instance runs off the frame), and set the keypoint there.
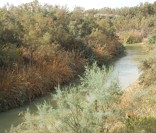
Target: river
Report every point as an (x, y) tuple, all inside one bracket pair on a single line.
[(126, 68)]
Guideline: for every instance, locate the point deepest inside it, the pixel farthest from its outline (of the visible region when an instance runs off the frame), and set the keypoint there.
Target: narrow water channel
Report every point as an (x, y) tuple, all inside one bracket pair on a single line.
[(126, 68)]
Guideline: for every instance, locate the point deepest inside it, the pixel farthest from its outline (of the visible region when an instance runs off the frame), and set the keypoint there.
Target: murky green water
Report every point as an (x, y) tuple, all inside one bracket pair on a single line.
[(126, 68), (12, 117)]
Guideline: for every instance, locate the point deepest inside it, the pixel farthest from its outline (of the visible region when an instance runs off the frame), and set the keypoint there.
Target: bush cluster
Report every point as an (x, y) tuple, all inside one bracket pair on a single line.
[(152, 39), (133, 39), (88, 107), (148, 68), (42, 46)]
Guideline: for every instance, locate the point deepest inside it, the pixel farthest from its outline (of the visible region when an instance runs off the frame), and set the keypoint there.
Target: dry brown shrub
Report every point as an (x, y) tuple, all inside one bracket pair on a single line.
[(102, 54), (24, 83)]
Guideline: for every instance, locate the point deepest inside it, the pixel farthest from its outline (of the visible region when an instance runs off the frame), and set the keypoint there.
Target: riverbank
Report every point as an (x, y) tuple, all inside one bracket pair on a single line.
[(20, 86), (78, 107), (52, 48), (138, 100), (138, 106), (116, 121), (131, 60)]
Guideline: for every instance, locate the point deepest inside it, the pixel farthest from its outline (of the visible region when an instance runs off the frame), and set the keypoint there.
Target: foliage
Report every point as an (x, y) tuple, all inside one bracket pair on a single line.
[(148, 67), (22, 85), (43, 45), (133, 39), (138, 101), (9, 56), (89, 107), (138, 125), (152, 39), (140, 18)]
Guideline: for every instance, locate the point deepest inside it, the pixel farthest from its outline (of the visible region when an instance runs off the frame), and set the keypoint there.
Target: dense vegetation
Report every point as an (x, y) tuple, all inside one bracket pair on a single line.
[(34, 39), (42, 46), (90, 107), (139, 101), (94, 106), (132, 24)]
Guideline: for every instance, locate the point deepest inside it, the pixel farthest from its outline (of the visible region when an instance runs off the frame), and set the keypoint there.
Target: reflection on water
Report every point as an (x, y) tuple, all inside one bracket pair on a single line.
[(126, 68)]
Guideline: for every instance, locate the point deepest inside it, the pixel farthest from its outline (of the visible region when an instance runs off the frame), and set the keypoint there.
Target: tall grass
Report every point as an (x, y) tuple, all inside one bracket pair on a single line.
[(90, 107), (22, 84)]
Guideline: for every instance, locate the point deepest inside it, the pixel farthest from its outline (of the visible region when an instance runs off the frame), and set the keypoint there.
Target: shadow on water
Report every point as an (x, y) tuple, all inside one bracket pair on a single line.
[(126, 68)]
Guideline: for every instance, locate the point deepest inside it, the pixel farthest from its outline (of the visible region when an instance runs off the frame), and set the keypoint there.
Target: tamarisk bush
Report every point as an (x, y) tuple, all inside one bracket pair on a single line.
[(86, 108)]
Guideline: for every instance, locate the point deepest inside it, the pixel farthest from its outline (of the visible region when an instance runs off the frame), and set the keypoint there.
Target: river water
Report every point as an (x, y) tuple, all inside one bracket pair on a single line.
[(126, 68)]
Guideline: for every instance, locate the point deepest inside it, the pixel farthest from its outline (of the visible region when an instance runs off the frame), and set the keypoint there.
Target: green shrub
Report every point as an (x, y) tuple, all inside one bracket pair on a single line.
[(148, 68), (87, 108), (152, 39), (31, 52), (9, 56), (133, 39)]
